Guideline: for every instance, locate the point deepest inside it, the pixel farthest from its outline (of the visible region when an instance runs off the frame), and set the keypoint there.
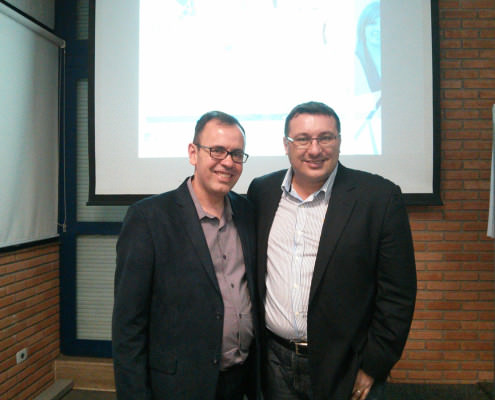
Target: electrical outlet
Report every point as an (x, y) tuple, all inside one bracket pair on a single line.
[(21, 355)]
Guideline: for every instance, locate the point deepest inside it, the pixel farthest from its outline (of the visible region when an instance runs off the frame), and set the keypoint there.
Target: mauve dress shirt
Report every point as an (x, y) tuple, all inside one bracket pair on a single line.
[(228, 259)]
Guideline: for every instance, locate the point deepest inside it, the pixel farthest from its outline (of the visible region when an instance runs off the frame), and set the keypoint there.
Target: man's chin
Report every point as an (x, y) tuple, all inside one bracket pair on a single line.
[(224, 187)]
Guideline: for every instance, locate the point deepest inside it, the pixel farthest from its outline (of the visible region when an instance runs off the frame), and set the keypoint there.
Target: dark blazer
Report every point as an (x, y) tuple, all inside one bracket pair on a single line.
[(363, 288), (168, 314)]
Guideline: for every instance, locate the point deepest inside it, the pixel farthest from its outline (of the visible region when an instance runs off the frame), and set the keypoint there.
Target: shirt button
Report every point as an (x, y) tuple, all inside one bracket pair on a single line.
[(232, 285), (224, 257)]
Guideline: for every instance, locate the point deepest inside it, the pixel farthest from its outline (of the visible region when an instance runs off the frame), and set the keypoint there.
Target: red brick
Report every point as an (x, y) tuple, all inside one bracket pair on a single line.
[(427, 236), (477, 366), (457, 14), (462, 296), (445, 24), (444, 305), (443, 344), (31, 321), (443, 325), (461, 335), (477, 124), (415, 345), (460, 94), (478, 305), (450, 44), (461, 315), (479, 346), (461, 256), (460, 54), (426, 355), (478, 246), (427, 376), (459, 376), (460, 355), (477, 286), (444, 366), (464, 236), (478, 44), (427, 315), (414, 365), (477, 24), (461, 34), (485, 376)]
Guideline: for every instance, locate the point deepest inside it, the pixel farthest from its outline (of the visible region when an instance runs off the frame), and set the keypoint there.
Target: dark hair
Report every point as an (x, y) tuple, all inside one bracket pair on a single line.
[(368, 16), (221, 117), (314, 108)]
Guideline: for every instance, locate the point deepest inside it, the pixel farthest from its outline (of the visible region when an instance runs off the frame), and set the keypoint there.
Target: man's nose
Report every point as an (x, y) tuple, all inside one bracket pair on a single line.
[(314, 147), (228, 161)]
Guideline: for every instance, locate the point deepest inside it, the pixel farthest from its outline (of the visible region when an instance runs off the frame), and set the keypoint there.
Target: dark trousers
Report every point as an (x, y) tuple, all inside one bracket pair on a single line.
[(232, 383), (287, 376)]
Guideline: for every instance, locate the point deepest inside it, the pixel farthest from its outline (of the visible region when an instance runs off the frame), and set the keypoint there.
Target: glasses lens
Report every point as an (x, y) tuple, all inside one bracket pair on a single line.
[(218, 153), (326, 140), (302, 142), (238, 156)]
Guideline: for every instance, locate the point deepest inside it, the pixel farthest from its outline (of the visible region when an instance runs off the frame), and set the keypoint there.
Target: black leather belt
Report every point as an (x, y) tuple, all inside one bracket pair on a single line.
[(300, 347)]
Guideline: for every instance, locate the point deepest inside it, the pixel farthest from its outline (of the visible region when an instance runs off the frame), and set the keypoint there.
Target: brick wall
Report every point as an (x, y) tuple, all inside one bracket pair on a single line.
[(452, 337), (453, 330), (29, 318)]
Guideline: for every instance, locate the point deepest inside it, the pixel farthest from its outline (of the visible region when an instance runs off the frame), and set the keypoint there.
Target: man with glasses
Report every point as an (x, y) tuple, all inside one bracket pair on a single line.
[(336, 269), (184, 323)]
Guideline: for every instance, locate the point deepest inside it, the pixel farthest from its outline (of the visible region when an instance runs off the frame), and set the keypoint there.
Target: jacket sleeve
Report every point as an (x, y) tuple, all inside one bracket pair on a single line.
[(396, 291), (133, 279)]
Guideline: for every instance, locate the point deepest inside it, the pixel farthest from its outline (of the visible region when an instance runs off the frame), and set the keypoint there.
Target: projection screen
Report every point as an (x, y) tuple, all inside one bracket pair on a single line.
[(159, 65), (30, 93)]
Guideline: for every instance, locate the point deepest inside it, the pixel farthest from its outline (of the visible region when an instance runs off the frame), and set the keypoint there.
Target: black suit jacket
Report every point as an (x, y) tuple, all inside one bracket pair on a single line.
[(168, 313), (363, 288)]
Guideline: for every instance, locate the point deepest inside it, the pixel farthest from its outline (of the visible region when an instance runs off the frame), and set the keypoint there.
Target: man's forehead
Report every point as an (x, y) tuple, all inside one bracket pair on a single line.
[(217, 136), (306, 117)]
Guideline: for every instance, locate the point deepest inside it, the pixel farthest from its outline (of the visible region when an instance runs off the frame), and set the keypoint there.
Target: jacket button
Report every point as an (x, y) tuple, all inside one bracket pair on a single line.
[(215, 361), (218, 316)]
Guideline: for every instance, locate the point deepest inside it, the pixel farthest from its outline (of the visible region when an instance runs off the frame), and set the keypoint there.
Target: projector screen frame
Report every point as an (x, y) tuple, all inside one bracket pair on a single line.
[(417, 199)]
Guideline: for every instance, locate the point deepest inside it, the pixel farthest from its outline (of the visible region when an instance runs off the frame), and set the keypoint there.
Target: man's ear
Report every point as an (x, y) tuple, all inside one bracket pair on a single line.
[(192, 150)]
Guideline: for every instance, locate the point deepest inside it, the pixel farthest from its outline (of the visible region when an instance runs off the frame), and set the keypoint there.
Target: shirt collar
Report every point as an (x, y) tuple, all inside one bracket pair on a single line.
[(227, 210), (326, 188)]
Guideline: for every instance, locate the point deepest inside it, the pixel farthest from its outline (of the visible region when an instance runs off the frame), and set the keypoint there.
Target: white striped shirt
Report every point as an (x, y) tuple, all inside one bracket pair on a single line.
[(292, 248)]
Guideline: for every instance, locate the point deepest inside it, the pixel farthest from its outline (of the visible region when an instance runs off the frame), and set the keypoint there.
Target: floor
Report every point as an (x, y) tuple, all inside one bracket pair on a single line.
[(394, 392)]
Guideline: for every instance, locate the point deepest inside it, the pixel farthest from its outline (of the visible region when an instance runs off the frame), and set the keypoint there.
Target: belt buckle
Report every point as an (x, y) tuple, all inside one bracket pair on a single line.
[(301, 345)]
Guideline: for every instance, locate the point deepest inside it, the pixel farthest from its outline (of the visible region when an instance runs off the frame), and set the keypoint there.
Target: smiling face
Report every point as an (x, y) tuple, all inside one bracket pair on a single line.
[(313, 165), (213, 179), (372, 33)]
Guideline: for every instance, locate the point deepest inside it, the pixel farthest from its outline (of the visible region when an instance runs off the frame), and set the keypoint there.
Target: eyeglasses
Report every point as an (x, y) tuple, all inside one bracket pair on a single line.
[(221, 153), (304, 142)]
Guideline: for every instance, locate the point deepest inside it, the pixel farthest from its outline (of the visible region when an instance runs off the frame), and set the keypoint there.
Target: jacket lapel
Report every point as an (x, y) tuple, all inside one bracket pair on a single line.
[(339, 210), (247, 238), (192, 227), (271, 198)]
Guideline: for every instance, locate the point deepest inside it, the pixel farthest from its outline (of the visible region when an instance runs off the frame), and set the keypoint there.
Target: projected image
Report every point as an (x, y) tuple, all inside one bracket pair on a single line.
[(256, 60), (368, 75)]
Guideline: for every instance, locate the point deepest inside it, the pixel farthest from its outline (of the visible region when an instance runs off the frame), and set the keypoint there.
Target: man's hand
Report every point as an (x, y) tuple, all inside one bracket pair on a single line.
[(362, 386)]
